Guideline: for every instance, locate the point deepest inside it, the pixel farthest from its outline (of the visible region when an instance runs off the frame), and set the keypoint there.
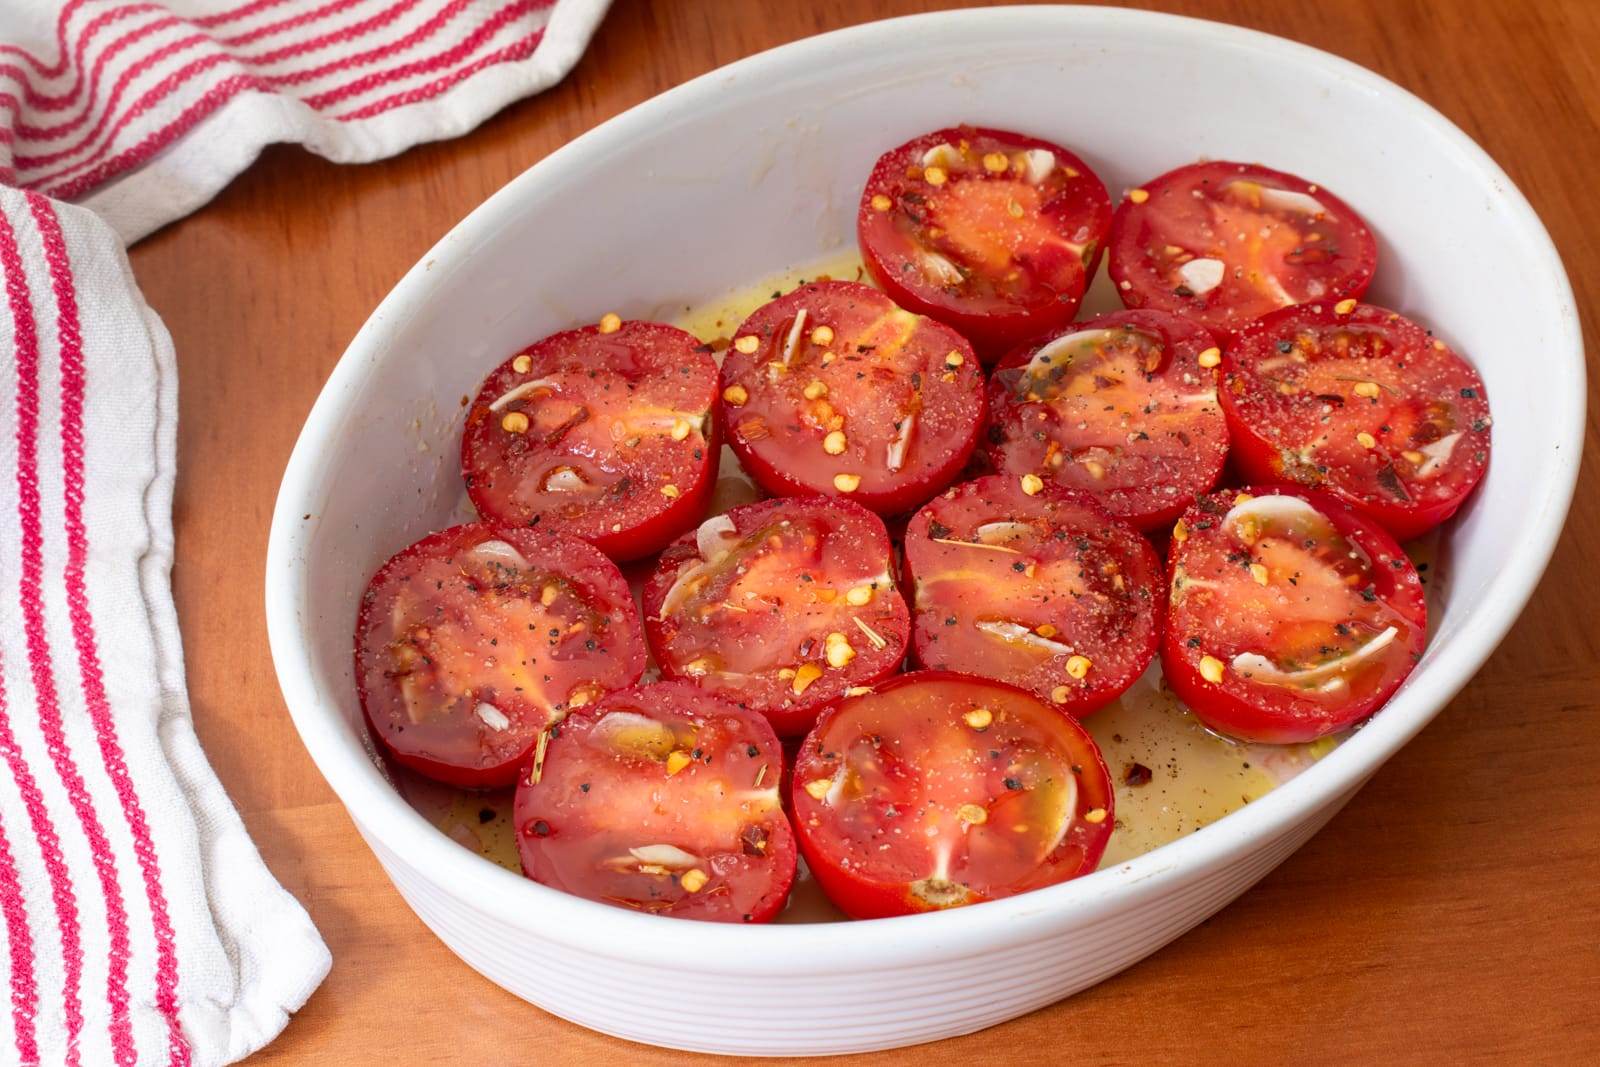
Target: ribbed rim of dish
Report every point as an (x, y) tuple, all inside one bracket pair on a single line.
[(887, 944)]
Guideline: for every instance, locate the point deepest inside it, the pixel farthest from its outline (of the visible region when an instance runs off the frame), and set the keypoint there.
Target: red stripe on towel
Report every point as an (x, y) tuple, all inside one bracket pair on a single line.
[(73, 386), (511, 53), (19, 940), (26, 347), (227, 89)]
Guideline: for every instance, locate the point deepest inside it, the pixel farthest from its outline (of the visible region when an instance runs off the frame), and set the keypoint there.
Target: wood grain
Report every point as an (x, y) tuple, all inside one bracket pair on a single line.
[(1452, 910)]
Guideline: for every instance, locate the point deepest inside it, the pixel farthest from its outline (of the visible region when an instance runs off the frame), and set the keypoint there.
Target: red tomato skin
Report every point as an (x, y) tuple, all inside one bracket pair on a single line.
[(1183, 340), (857, 899), (481, 779), (1258, 459), (687, 510), (1126, 250), (789, 719), (782, 846), (635, 540), (593, 571), (783, 478), (1224, 708), (991, 333), (1109, 685), (476, 779), (860, 898)]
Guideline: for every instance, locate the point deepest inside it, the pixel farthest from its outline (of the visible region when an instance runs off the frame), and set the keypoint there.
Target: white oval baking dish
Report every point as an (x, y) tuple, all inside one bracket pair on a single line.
[(757, 167)]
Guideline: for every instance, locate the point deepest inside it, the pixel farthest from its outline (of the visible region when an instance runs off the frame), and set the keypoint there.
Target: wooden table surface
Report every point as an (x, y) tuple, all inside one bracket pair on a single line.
[(1452, 909)]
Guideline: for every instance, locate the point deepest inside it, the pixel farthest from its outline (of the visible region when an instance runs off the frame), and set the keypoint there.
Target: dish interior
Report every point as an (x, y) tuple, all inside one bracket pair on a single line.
[(762, 173)]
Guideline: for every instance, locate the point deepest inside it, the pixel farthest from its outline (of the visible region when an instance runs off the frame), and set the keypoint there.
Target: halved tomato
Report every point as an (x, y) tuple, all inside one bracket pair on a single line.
[(936, 790), (605, 432), (1225, 243), (1360, 402), (781, 606), (1034, 584), (832, 389), (664, 799), (472, 641), (995, 233), (1123, 407), (1292, 617)]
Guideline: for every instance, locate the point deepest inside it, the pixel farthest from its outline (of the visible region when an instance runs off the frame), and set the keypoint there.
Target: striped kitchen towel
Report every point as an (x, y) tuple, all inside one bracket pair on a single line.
[(142, 111), (141, 926)]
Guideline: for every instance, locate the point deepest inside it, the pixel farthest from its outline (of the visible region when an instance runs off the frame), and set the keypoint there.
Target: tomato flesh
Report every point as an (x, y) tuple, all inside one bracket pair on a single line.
[(472, 641), (781, 606), (1363, 404), (1043, 590), (833, 390), (937, 790), (664, 799), (1224, 243), (1123, 407), (995, 233), (605, 433), (1291, 616)]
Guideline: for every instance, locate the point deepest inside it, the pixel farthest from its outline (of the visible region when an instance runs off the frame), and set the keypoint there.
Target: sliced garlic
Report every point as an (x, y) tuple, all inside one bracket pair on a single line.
[(564, 480), (1289, 200), (669, 856), (521, 391), (895, 456), (792, 343), (1200, 276), (1050, 355), (1438, 452), (1265, 509), (715, 537), (940, 269), (497, 551), (1259, 668), (994, 533), (1041, 161), (1017, 634), (662, 420), (1065, 812), (492, 717), (963, 575), (634, 734), (418, 696), (881, 580), (941, 155)]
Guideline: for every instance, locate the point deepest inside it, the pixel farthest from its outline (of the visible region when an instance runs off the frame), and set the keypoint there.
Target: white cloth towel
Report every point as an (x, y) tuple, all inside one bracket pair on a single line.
[(141, 926)]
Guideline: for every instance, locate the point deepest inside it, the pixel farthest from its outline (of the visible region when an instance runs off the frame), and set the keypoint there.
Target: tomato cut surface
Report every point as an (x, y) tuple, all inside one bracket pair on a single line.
[(1360, 402), (832, 389), (471, 641), (605, 432), (1291, 616), (1225, 243), (781, 606), (1123, 407), (995, 233), (937, 790), (661, 798), (1033, 584)]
